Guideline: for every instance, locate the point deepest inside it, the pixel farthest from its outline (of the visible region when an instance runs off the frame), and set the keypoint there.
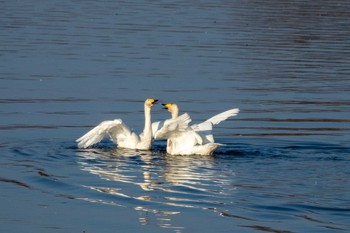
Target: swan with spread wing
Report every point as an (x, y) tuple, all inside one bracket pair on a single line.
[(194, 139), (120, 133)]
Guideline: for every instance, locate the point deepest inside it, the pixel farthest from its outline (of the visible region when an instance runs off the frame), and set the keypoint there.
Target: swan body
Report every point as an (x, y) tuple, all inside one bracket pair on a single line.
[(120, 133), (194, 139)]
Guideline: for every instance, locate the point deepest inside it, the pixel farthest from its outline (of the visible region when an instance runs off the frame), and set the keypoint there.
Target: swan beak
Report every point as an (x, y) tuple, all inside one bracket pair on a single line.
[(166, 106), (153, 101)]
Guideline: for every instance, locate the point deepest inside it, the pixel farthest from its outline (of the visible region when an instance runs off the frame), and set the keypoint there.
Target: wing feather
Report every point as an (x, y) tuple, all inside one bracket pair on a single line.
[(204, 126), (204, 129), (156, 126), (173, 126), (115, 129), (223, 116)]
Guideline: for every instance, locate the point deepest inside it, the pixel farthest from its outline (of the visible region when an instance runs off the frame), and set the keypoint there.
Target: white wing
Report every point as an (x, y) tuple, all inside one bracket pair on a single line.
[(156, 126), (173, 126), (115, 129), (223, 116), (204, 126), (204, 129), (207, 125)]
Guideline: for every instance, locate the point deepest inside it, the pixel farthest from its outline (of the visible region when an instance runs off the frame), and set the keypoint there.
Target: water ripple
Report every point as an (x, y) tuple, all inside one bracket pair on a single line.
[(69, 65), (44, 100), (184, 181)]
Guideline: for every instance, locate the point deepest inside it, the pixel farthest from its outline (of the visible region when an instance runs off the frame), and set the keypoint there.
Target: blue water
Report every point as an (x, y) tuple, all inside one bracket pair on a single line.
[(66, 66)]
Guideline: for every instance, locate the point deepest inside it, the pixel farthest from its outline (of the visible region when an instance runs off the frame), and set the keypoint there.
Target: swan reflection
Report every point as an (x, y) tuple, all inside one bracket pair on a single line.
[(168, 182)]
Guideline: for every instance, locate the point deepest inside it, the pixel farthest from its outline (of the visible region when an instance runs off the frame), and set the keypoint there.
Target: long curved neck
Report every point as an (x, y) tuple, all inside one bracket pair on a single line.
[(147, 131), (174, 112)]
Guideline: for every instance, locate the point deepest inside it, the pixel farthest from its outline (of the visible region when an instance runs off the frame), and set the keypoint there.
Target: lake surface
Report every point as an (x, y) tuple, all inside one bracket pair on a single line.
[(65, 66)]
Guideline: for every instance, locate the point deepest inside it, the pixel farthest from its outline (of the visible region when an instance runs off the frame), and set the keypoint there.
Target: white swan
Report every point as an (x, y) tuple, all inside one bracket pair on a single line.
[(121, 134), (195, 139)]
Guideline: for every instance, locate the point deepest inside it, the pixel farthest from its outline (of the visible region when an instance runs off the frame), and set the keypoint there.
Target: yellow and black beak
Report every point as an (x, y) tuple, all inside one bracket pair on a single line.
[(150, 102), (154, 101), (167, 106)]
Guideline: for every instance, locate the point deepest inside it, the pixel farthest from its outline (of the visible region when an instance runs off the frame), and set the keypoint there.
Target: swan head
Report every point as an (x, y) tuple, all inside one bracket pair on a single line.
[(171, 107), (150, 102)]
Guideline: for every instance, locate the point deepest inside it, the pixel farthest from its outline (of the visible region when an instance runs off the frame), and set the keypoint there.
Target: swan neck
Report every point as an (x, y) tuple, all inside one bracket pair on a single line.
[(175, 112), (148, 122)]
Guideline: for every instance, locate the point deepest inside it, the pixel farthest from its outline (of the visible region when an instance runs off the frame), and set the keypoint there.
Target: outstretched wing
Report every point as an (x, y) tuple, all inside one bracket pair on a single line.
[(223, 116), (115, 129), (172, 127), (204, 129)]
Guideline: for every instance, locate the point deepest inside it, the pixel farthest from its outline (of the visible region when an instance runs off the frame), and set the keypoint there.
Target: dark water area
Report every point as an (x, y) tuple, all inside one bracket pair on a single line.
[(66, 66)]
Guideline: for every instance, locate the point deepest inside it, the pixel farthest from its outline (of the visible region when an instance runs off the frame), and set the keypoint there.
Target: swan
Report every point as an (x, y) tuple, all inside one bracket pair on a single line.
[(195, 139), (120, 133)]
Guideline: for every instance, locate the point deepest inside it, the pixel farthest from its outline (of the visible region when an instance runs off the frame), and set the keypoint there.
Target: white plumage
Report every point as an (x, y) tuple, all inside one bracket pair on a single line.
[(120, 133), (195, 139), (172, 126)]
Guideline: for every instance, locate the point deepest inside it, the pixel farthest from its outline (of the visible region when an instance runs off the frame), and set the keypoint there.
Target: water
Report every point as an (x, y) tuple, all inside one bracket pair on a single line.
[(65, 66)]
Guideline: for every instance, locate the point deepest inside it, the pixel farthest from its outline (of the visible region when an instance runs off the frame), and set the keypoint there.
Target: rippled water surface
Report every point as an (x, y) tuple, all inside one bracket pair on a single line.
[(65, 66)]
